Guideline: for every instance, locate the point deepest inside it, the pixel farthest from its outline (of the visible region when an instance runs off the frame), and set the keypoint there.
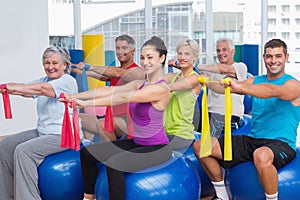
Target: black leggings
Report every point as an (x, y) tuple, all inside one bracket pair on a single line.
[(120, 156)]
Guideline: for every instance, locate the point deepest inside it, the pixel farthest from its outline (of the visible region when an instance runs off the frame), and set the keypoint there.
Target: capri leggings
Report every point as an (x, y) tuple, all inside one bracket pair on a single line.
[(120, 156)]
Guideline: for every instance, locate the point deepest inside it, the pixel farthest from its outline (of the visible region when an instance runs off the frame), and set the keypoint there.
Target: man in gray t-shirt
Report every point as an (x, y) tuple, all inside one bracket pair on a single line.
[(216, 101)]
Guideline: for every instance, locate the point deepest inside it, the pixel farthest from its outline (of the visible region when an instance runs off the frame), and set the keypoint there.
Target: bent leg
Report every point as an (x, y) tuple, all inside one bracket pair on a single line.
[(178, 142), (7, 149), (28, 156), (120, 129), (267, 173), (89, 124), (209, 164), (92, 154), (137, 159)]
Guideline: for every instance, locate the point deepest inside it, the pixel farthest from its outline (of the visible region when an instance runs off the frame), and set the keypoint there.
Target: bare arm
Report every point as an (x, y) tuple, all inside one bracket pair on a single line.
[(131, 74), (157, 94), (219, 68), (187, 83), (105, 72), (101, 92), (29, 90), (90, 74), (290, 90)]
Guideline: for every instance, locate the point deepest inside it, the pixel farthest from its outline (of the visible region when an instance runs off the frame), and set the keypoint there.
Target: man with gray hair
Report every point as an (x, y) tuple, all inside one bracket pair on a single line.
[(216, 101)]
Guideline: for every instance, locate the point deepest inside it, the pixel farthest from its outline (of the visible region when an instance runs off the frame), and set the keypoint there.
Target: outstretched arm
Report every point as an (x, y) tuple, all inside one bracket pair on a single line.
[(105, 72), (28, 90), (158, 95), (290, 90), (190, 82), (90, 74), (218, 68), (101, 92)]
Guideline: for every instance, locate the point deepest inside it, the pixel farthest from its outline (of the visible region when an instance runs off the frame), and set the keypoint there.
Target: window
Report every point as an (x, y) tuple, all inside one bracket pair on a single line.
[(285, 8), (272, 9), (297, 21), (115, 25), (285, 21), (285, 35), (297, 8), (271, 35), (106, 27), (272, 22), (297, 35)]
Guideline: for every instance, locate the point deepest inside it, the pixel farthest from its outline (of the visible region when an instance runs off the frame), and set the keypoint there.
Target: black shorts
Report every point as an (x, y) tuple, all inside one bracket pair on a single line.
[(244, 146)]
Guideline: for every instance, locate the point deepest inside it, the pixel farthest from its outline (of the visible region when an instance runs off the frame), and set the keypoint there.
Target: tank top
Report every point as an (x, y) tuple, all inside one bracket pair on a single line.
[(178, 117), (274, 118), (148, 123)]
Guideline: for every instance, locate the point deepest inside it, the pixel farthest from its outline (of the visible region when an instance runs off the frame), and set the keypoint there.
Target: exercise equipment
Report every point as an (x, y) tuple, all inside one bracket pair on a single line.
[(207, 188), (206, 185), (81, 79), (243, 182), (6, 102), (174, 179), (59, 176), (206, 144)]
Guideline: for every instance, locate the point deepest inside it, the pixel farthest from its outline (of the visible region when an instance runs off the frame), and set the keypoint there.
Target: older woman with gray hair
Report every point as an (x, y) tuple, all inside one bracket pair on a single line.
[(22, 153)]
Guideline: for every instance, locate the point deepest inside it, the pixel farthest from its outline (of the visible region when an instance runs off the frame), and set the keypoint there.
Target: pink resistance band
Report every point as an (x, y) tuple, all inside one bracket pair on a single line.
[(68, 139), (6, 102)]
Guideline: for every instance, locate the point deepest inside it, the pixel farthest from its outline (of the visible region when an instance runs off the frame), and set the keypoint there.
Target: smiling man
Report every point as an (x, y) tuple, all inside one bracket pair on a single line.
[(275, 119), (110, 127), (226, 68)]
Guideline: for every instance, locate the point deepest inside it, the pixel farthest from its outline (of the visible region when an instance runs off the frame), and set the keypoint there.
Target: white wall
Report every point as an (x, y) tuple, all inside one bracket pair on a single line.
[(23, 37)]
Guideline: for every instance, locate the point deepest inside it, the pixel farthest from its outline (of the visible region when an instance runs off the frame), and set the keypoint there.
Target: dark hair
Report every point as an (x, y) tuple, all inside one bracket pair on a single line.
[(128, 39), (159, 45), (275, 43)]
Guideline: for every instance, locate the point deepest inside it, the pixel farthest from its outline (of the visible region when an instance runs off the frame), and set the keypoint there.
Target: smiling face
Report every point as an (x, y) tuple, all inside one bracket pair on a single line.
[(275, 59), (54, 65), (150, 59), (224, 53), (186, 57), (124, 52)]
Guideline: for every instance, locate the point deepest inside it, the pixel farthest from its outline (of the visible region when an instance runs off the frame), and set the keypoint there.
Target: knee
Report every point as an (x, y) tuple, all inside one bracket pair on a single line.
[(262, 157), (22, 150), (101, 123)]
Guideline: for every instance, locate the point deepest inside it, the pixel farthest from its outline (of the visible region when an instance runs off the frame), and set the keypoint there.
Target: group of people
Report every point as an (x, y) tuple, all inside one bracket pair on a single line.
[(160, 107)]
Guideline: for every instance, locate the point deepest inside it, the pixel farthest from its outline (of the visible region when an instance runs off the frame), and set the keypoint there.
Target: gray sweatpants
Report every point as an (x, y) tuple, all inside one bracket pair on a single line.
[(20, 155)]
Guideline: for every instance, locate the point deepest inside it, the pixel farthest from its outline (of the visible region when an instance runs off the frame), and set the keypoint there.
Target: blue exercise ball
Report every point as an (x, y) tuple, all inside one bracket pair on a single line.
[(242, 181), (246, 128), (207, 188), (206, 185), (248, 100), (243, 130), (174, 179), (247, 104), (59, 176)]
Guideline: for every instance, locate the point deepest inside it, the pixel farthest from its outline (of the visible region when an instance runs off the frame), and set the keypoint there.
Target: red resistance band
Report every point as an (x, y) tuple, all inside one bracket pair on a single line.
[(6, 102), (68, 139)]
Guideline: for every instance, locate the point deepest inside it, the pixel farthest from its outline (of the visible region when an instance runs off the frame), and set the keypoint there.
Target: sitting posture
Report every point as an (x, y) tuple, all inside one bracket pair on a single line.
[(275, 118)]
